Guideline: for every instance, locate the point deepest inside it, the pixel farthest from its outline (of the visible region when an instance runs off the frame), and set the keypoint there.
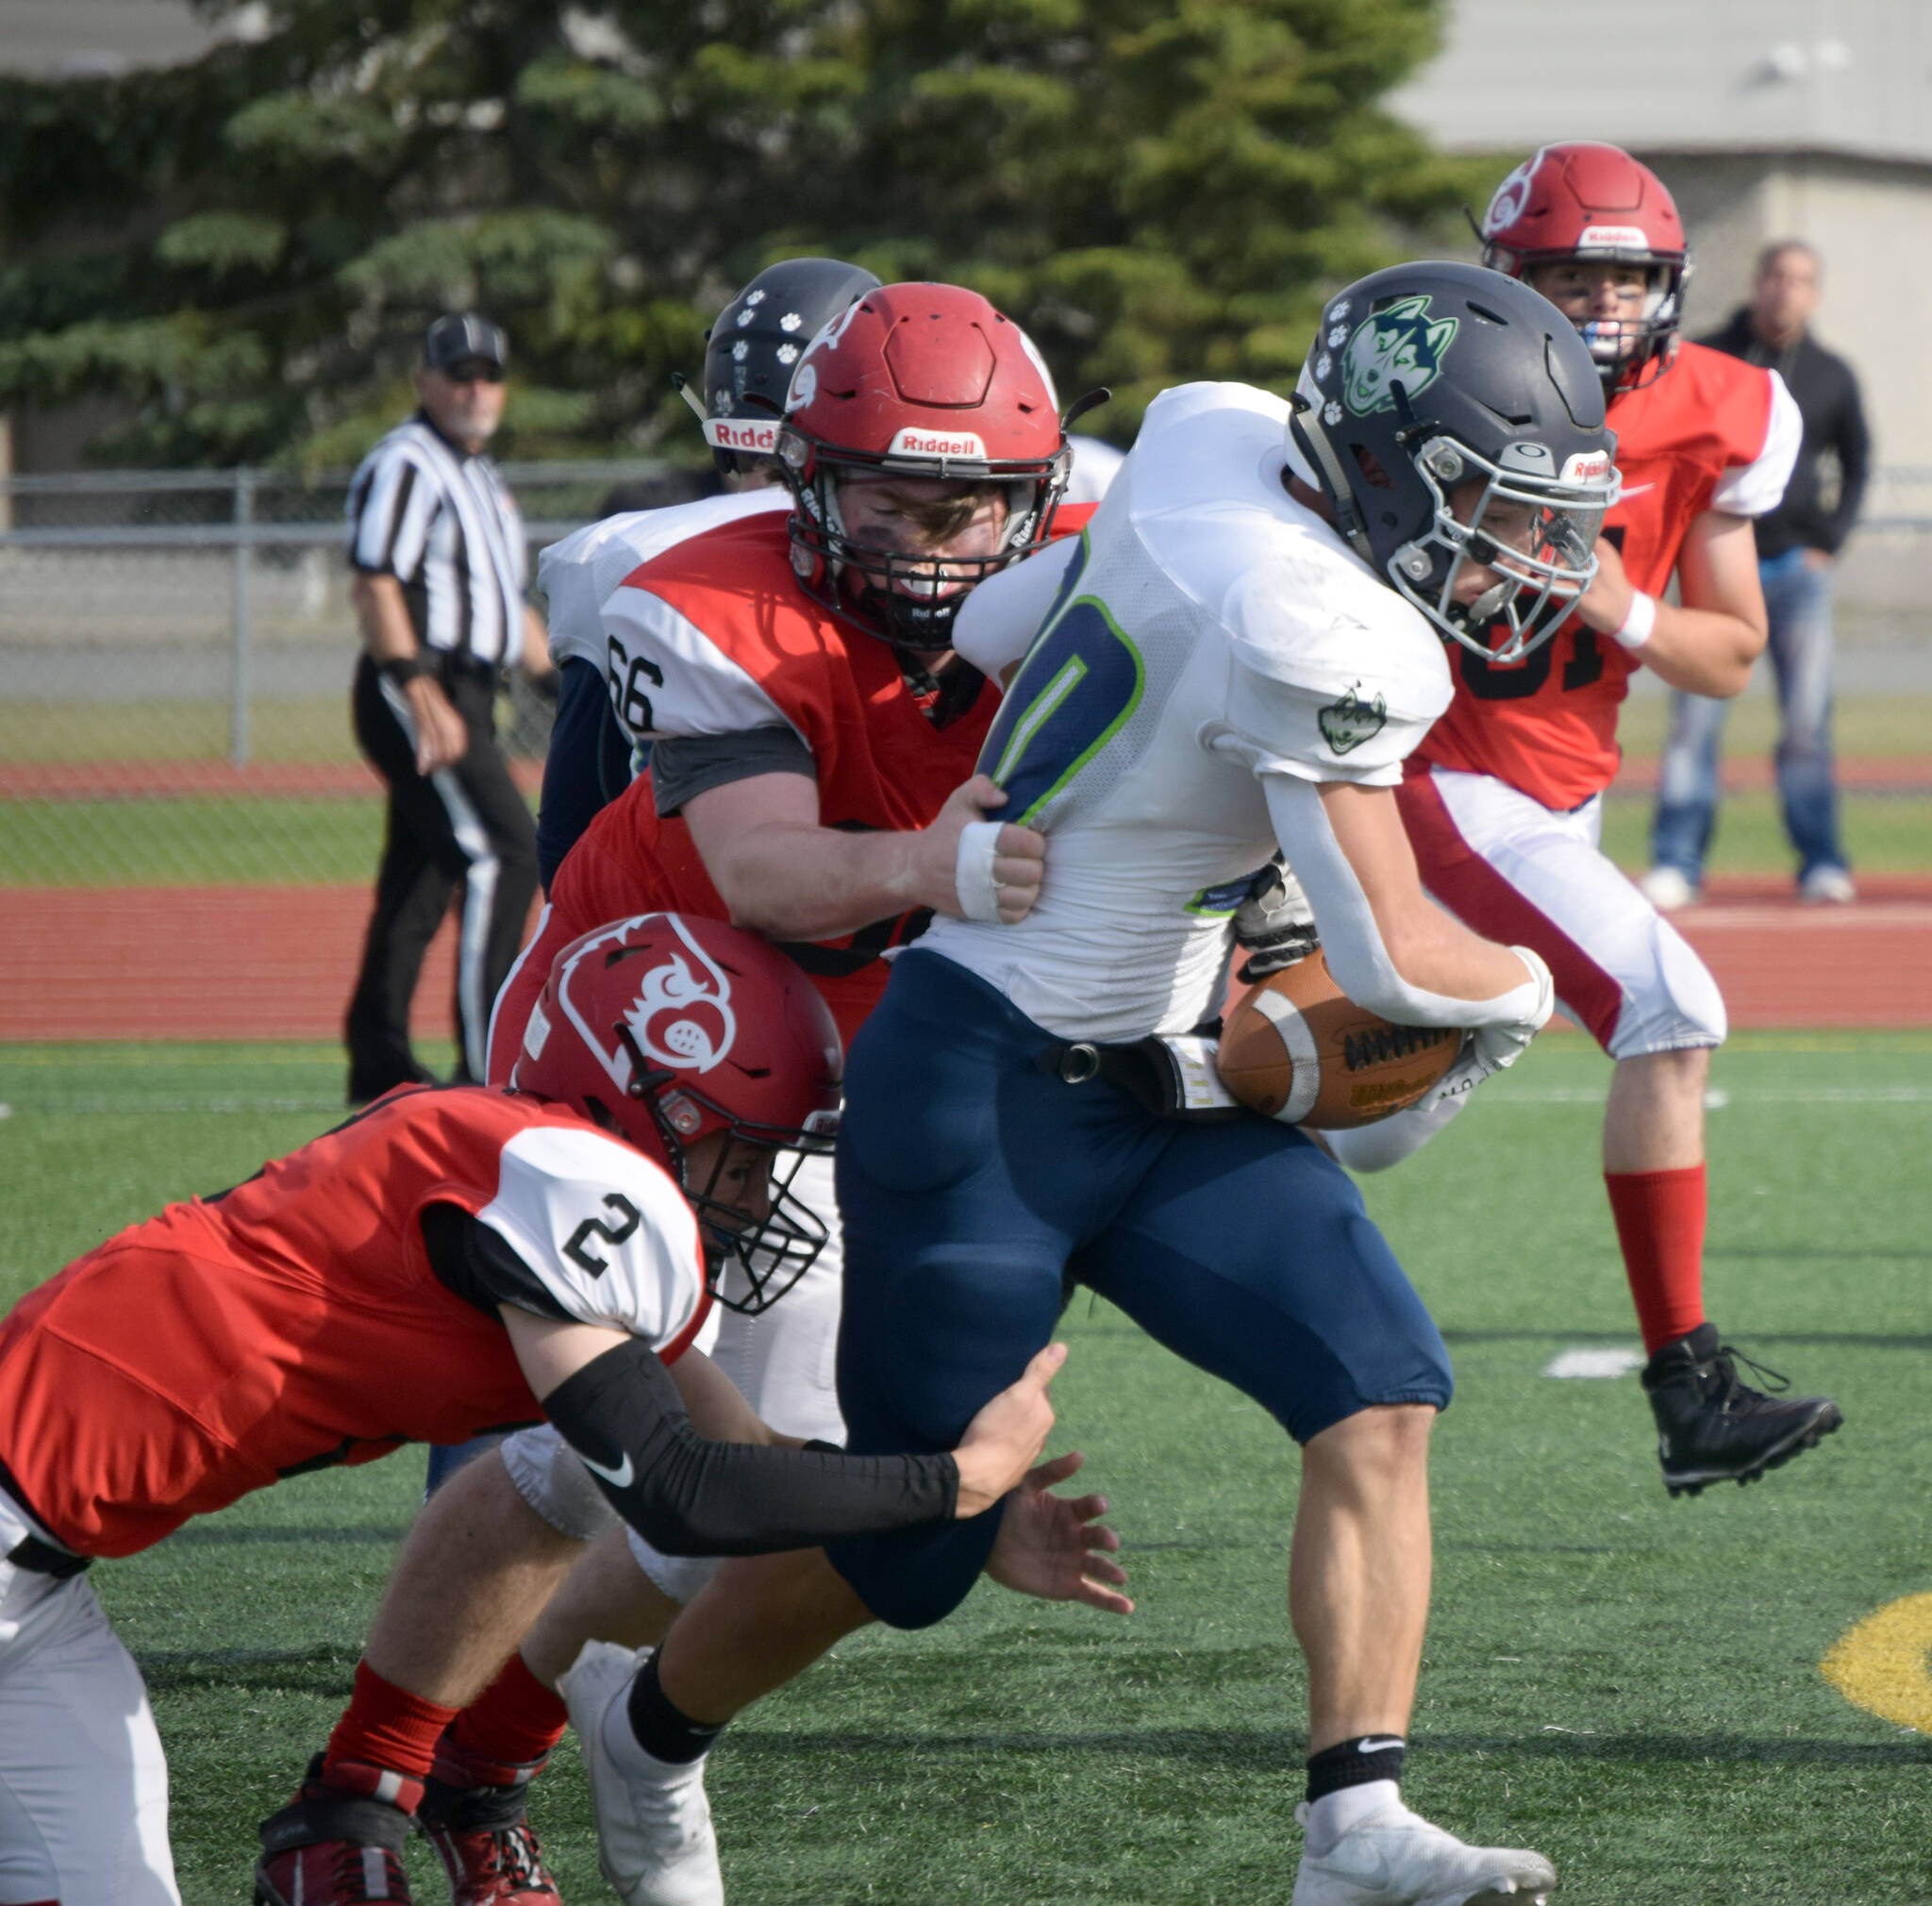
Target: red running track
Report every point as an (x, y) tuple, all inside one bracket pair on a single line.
[(276, 962)]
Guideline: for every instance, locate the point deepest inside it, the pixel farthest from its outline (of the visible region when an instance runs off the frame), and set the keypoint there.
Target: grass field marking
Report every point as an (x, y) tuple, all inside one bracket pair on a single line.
[(1597, 1362), (1881, 1664)]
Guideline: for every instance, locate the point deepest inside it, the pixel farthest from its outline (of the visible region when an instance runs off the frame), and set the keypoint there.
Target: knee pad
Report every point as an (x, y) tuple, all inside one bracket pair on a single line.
[(916, 1578), (681, 1577), (1679, 1007), (556, 1484)]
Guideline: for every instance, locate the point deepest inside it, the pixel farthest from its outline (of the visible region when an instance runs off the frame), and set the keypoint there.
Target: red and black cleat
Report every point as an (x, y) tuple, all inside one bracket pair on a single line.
[(474, 1814), (332, 1847)]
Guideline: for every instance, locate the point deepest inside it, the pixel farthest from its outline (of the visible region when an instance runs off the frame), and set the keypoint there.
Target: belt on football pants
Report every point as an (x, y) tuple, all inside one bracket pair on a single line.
[(43, 1557), (1167, 1075)]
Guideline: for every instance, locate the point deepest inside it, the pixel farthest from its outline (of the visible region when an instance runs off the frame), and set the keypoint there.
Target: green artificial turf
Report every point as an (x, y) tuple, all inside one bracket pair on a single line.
[(1628, 1682)]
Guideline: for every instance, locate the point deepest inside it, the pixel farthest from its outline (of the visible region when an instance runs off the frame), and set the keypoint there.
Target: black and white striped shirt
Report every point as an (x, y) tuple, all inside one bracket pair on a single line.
[(443, 525)]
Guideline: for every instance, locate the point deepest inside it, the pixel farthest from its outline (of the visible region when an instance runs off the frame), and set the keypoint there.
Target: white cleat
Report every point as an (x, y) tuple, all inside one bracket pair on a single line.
[(1397, 1858), (655, 1841)]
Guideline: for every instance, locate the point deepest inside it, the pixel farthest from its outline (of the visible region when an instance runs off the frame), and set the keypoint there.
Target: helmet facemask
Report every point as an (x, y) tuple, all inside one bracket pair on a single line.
[(1629, 353), (1542, 563), (907, 598), (770, 1250)]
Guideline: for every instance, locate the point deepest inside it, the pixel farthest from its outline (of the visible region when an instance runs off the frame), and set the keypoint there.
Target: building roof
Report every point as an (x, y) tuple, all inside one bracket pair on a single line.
[(1852, 76), (97, 38)]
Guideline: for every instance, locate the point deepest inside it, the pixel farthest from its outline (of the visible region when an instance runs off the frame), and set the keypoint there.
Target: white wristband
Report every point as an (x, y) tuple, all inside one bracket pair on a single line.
[(973, 870), (1638, 623)]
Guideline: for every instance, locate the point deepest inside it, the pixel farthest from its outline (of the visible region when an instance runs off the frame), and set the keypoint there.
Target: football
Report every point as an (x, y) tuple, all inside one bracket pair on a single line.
[(1299, 1049)]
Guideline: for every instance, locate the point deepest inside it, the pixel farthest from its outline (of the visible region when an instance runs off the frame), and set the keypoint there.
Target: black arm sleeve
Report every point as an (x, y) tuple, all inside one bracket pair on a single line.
[(686, 765), (688, 1496), (588, 765)]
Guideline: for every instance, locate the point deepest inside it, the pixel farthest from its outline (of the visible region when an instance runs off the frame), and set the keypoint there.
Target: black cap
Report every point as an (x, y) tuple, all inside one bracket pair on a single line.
[(463, 338)]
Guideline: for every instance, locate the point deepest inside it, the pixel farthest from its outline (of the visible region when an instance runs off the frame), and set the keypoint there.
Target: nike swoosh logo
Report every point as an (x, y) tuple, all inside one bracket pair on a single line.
[(619, 1478), (1636, 488), (1377, 1743)]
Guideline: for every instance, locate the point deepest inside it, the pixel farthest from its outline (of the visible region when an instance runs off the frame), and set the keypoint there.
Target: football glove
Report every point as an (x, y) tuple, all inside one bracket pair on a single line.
[(1494, 1049), (1274, 923)]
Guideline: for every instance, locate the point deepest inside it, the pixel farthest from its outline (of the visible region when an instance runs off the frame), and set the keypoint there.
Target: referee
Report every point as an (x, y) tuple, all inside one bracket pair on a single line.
[(436, 544)]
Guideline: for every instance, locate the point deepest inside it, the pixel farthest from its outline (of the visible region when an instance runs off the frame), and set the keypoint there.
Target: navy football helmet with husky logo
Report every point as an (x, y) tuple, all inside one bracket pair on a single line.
[(1453, 416)]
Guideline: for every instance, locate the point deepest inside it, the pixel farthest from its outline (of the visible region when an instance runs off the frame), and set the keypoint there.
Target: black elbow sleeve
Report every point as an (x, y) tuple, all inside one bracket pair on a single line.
[(686, 1495)]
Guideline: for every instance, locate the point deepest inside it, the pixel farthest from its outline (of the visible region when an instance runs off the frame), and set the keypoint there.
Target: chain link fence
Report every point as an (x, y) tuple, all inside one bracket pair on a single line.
[(187, 838), (175, 650)]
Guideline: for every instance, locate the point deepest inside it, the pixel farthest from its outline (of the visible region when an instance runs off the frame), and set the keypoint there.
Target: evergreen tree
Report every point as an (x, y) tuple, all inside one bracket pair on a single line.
[(248, 249)]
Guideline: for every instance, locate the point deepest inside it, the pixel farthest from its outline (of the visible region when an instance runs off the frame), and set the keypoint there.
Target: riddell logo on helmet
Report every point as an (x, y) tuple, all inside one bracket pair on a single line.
[(1587, 466), (1613, 238), (911, 443), (726, 433)]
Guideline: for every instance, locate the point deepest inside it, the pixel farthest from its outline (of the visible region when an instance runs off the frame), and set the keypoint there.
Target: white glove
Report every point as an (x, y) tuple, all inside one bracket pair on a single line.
[(1273, 924), (1494, 1049)]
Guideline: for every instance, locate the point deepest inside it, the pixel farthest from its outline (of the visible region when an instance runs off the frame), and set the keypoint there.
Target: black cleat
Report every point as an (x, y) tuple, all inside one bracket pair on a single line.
[(1711, 1427)]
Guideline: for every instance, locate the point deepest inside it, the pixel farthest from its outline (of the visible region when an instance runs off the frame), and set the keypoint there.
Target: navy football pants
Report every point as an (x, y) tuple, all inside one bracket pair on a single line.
[(970, 1183)]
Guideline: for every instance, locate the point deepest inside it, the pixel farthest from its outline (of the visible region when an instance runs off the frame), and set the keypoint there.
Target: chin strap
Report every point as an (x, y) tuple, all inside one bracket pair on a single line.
[(1347, 520)]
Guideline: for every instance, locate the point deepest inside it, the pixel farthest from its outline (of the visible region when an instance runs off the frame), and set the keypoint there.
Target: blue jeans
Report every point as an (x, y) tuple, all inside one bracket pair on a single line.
[(1797, 603)]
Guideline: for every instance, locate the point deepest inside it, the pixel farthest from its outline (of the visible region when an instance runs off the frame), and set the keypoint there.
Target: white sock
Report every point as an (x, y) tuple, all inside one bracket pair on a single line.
[(1334, 1813)]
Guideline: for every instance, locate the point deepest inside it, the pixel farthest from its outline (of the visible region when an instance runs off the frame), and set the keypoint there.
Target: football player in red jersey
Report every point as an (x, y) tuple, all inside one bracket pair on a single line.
[(812, 743), (1504, 797), (447, 1259)]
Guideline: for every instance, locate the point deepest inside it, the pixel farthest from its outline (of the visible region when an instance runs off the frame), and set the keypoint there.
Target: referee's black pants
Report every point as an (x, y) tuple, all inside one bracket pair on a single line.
[(467, 824)]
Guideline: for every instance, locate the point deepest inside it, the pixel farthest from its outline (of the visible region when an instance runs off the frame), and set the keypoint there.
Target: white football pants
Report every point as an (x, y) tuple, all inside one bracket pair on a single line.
[(83, 1785), (783, 1362)]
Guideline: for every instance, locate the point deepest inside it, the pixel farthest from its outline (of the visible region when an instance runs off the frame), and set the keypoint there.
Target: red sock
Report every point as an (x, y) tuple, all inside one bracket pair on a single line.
[(509, 1728), (1661, 1219), (384, 1745)]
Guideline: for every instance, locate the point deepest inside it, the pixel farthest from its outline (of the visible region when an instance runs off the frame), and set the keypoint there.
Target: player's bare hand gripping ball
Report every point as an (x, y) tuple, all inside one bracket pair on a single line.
[(1005, 1440), (996, 866)]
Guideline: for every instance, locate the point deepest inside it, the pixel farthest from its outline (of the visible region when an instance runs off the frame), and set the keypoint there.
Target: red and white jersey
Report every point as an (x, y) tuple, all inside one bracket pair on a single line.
[(1713, 433), (579, 574), (297, 1320), (719, 638)]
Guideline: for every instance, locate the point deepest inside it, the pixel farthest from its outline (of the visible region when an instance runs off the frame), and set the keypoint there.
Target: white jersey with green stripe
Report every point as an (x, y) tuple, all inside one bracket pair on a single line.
[(1206, 631)]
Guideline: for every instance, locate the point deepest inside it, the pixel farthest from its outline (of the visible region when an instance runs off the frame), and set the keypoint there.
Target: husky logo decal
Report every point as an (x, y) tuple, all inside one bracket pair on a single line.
[(1399, 343), (1350, 722)]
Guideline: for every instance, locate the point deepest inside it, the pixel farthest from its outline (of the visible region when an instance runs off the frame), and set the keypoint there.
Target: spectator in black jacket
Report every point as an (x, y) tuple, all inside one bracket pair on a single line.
[(1798, 550)]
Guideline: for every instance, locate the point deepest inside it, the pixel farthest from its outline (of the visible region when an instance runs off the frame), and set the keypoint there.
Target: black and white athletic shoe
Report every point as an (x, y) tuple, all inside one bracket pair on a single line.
[(1712, 1426)]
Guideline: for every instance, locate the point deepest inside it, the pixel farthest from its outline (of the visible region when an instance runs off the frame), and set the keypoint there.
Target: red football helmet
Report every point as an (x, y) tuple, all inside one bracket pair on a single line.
[(666, 1030), (1595, 202), (917, 381)]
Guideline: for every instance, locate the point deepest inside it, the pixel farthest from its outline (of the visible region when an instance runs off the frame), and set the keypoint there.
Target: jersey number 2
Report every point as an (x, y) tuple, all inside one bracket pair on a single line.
[(577, 1250)]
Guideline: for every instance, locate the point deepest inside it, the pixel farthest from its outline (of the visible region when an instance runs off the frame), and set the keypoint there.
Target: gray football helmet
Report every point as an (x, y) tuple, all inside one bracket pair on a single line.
[(1427, 381)]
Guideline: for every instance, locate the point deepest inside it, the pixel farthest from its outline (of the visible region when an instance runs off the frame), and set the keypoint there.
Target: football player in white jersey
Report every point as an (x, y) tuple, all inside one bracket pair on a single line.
[(1231, 663)]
